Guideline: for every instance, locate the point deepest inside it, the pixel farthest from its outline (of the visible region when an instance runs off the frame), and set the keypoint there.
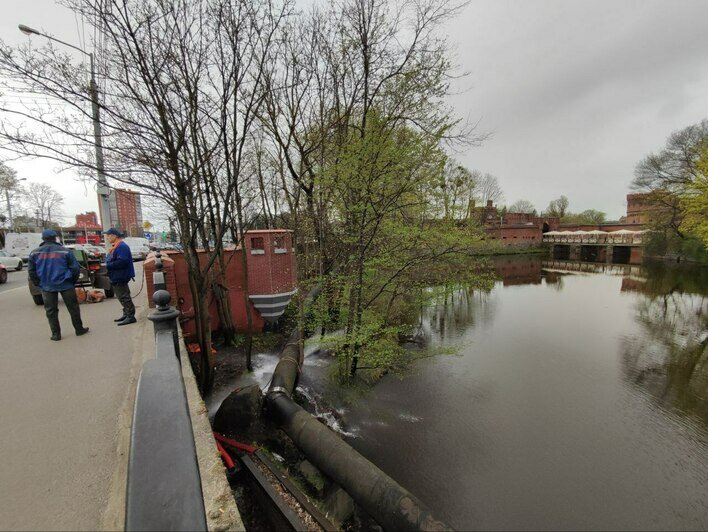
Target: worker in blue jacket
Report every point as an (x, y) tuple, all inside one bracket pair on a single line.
[(55, 270), (119, 263)]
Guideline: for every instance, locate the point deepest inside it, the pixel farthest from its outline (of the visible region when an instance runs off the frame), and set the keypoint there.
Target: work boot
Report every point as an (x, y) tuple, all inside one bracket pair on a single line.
[(81, 332), (56, 337), (127, 321), (120, 319)]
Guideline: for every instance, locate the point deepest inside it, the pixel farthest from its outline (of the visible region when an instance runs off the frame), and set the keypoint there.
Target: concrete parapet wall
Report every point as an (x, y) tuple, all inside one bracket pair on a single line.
[(220, 506), (221, 510)]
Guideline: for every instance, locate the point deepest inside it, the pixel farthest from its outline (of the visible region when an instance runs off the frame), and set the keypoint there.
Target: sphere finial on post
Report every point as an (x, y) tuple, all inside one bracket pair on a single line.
[(162, 299)]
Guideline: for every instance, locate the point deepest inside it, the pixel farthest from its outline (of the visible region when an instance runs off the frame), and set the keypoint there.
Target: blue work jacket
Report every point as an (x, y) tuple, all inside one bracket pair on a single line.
[(119, 263), (52, 267)]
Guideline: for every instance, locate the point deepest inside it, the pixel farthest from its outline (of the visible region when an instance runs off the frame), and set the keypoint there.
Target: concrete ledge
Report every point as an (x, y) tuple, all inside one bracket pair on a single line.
[(221, 510), (143, 350)]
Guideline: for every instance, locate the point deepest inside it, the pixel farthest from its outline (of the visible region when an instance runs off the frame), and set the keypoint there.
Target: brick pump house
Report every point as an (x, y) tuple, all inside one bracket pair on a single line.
[(272, 277)]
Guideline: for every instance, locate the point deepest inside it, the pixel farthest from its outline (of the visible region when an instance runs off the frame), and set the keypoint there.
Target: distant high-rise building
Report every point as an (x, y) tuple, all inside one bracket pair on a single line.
[(126, 211), (87, 219)]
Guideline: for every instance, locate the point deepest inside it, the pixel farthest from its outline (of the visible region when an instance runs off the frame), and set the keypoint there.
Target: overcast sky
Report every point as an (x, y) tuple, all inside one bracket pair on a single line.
[(575, 92)]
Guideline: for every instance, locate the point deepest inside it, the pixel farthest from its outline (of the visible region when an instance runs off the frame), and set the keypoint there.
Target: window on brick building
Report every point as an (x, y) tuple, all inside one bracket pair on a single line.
[(257, 245), (279, 244)]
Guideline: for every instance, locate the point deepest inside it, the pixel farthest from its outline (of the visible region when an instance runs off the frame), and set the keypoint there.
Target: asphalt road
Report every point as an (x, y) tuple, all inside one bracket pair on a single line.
[(63, 407)]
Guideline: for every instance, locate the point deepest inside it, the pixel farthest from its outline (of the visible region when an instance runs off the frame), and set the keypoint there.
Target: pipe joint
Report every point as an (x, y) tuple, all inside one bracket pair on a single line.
[(278, 389)]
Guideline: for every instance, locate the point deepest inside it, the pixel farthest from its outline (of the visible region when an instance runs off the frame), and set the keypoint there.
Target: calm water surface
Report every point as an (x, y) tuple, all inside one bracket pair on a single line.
[(578, 400)]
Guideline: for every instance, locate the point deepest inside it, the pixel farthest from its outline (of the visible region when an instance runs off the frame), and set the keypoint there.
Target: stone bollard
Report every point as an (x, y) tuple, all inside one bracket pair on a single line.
[(158, 276)]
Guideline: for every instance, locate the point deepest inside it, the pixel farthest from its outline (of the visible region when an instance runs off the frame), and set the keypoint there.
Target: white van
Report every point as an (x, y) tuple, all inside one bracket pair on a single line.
[(21, 244), (139, 247)]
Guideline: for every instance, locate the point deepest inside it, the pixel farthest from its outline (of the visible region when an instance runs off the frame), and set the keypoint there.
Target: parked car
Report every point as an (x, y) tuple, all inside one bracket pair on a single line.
[(3, 274), (96, 252), (91, 273), (139, 247), (10, 260)]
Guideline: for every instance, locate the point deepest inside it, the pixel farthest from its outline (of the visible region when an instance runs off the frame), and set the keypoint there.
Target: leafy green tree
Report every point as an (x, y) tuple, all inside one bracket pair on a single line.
[(357, 117), (694, 199)]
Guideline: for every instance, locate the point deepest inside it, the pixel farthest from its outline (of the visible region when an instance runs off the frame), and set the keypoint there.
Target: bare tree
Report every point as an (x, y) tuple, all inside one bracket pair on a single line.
[(558, 207), (667, 175), (44, 201), (456, 191), (524, 206), (676, 164), (181, 85), (488, 189), (12, 192)]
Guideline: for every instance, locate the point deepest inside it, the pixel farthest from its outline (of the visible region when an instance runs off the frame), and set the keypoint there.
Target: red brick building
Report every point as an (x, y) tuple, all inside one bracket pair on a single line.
[(272, 278), (126, 211), (88, 220), (515, 228), (86, 231), (638, 208)]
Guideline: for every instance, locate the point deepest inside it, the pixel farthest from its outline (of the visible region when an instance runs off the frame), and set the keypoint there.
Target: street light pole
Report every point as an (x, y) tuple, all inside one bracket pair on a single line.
[(103, 190)]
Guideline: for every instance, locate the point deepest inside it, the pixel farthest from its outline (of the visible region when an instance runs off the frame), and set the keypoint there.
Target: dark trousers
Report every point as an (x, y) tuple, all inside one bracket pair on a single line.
[(51, 306), (122, 291)]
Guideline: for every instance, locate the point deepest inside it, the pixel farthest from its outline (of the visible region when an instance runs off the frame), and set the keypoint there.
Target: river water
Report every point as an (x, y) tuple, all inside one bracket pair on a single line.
[(577, 399)]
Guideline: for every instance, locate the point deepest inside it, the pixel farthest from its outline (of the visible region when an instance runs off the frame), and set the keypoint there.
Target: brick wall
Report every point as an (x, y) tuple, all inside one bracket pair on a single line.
[(274, 270), (87, 219), (518, 271), (638, 208), (523, 235), (269, 272)]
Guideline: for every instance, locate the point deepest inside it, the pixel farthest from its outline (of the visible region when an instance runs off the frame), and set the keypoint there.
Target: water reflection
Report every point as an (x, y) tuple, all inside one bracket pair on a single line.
[(454, 311), (577, 401), (669, 357)]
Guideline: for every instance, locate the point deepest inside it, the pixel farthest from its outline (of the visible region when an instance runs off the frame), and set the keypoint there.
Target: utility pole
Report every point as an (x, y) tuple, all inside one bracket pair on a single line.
[(103, 190)]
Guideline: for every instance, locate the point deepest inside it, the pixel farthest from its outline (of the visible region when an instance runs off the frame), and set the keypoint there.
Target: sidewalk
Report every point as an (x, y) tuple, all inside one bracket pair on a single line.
[(65, 407)]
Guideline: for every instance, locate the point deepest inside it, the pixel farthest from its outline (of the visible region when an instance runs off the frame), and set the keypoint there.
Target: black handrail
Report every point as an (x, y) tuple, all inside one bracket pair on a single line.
[(164, 490)]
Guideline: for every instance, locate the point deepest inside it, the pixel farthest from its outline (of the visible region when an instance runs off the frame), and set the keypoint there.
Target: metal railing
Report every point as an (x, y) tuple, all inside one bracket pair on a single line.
[(164, 490)]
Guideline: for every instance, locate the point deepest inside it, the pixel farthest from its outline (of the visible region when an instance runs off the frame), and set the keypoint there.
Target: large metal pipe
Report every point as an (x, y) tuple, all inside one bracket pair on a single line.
[(391, 505)]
